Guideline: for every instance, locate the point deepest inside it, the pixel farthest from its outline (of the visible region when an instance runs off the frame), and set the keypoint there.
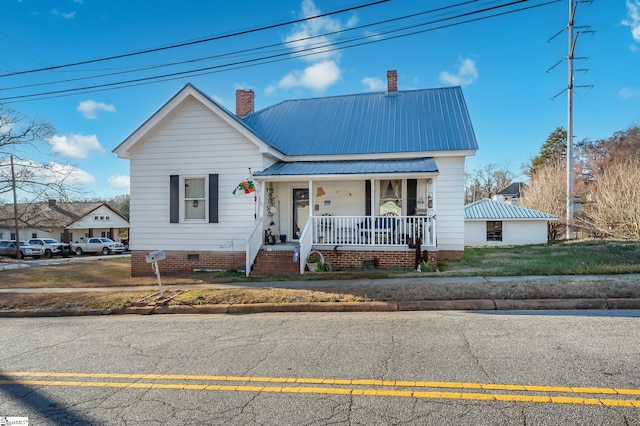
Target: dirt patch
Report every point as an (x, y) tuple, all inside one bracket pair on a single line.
[(90, 273), (344, 293)]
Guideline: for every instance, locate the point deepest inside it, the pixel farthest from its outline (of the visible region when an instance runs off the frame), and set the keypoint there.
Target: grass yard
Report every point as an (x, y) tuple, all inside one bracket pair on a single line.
[(574, 258), (566, 258)]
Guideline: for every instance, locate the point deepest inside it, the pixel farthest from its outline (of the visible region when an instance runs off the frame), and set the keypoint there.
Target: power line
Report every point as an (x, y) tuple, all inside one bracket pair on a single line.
[(191, 43), (244, 51), (276, 57)]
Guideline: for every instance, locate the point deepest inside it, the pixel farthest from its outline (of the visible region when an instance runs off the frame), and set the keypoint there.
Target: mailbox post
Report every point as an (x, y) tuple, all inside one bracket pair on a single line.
[(153, 259)]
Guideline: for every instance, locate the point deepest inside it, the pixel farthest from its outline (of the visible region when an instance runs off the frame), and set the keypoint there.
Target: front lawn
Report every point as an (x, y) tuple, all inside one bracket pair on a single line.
[(563, 258)]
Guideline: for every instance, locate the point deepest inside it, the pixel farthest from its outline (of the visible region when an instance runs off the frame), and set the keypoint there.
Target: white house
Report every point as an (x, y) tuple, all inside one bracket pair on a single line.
[(65, 221), (511, 194), (492, 223), (356, 177)]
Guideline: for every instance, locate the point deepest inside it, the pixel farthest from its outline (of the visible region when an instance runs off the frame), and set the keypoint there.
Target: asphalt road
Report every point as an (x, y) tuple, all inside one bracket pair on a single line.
[(416, 368), (6, 263)]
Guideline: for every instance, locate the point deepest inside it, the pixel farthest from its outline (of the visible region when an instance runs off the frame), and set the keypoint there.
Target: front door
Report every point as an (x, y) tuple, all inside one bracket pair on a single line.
[(300, 211)]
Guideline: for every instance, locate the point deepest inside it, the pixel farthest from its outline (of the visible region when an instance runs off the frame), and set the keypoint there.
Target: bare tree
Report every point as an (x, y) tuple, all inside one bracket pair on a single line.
[(547, 193), (34, 181), (486, 182), (17, 131), (613, 206)]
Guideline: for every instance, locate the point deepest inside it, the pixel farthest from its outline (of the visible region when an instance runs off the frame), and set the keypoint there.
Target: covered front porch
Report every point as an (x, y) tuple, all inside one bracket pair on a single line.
[(389, 206)]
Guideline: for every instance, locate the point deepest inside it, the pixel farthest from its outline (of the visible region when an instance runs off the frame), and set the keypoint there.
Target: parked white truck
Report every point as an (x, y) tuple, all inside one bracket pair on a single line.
[(97, 245), (51, 247)]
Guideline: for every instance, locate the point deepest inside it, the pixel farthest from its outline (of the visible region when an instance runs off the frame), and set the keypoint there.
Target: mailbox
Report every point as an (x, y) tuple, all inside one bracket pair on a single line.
[(155, 256)]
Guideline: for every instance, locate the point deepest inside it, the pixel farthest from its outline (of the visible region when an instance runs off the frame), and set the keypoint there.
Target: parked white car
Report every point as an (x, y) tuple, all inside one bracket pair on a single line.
[(97, 245), (51, 247), (8, 248)]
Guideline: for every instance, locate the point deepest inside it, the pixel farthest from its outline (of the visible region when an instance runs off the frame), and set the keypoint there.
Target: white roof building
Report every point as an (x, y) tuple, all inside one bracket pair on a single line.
[(492, 223)]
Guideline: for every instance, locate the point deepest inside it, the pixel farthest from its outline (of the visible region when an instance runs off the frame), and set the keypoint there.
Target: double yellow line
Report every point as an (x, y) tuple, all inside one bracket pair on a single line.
[(613, 397)]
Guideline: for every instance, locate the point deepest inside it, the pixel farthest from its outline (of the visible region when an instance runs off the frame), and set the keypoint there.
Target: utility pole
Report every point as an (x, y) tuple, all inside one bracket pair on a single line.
[(15, 210), (573, 37), (570, 195)]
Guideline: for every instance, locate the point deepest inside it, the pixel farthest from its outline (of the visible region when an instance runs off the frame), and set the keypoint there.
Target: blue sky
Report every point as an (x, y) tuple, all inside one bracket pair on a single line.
[(500, 62)]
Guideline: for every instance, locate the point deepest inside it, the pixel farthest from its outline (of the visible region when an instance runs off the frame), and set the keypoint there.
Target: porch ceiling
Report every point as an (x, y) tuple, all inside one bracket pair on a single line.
[(354, 167)]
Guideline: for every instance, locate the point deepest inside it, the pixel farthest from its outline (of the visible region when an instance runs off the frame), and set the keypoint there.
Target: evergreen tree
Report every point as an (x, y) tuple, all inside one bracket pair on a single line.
[(553, 151)]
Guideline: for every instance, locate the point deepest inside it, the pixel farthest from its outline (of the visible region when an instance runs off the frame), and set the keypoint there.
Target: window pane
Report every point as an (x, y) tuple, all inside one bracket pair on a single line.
[(494, 231), (194, 188), (194, 209)]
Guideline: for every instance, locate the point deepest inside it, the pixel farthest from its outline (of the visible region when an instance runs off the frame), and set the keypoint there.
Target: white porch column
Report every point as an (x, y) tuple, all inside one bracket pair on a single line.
[(259, 198), (311, 205), (431, 205), (373, 197), (431, 193)]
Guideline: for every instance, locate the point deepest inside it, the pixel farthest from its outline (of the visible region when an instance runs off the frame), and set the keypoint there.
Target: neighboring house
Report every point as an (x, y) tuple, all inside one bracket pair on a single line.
[(492, 223), (65, 222), (511, 194), (356, 177)]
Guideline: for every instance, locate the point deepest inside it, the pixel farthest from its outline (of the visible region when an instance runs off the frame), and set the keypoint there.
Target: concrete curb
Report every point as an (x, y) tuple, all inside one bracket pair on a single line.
[(419, 305)]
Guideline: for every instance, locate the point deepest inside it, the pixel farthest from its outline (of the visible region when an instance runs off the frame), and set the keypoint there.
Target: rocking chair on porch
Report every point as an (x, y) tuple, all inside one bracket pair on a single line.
[(382, 231)]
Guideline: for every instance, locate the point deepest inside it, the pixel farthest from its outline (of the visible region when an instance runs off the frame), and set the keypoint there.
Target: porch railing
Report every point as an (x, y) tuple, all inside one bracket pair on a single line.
[(373, 230), (254, 243), (306, 244)]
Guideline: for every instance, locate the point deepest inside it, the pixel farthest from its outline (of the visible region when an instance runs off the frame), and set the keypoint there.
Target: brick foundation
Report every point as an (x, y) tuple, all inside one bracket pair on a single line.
[(347, 259), (280, 262), (187, 261)]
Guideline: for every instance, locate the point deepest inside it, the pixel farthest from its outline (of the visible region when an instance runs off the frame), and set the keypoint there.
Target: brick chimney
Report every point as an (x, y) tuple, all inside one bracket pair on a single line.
[(392, 81), (244, 102)]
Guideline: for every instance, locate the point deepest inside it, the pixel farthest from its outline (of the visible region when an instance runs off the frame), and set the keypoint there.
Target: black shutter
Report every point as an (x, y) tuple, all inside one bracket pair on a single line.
[(174, 199), (412, 195), (213, 198), (367, 198)]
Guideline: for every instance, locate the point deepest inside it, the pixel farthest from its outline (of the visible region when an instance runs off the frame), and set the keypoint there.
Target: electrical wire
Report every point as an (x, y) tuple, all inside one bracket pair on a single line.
[(191, 43), (244, 51), (328, 47)]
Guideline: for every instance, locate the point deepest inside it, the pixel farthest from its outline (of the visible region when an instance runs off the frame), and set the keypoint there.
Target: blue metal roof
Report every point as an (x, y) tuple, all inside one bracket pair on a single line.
[(307, 168), (486, 209), (403, 121)]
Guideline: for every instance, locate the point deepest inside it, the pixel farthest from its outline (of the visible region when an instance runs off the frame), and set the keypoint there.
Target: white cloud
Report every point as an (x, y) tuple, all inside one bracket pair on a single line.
[(308, 38), (90, 108), (373, 83), (466, 74), (73, 176), (315, 77), (629, 92), (306, 34), (74, 146), (633, 19), (53, 173), (65, 15), (118, 181), (372, 35)]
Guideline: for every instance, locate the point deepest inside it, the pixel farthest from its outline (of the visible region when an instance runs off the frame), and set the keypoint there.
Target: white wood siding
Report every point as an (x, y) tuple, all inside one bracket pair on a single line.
[(115, 221), (26, 233), (514, 233), (449, 203), (192, 142)]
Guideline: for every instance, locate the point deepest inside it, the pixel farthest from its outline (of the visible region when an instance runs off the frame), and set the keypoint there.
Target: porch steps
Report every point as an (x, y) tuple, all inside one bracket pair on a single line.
[(272, 263)]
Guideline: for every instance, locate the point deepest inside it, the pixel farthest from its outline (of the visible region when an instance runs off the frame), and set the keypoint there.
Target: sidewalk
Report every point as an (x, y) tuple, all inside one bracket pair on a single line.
[(437, 293)]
